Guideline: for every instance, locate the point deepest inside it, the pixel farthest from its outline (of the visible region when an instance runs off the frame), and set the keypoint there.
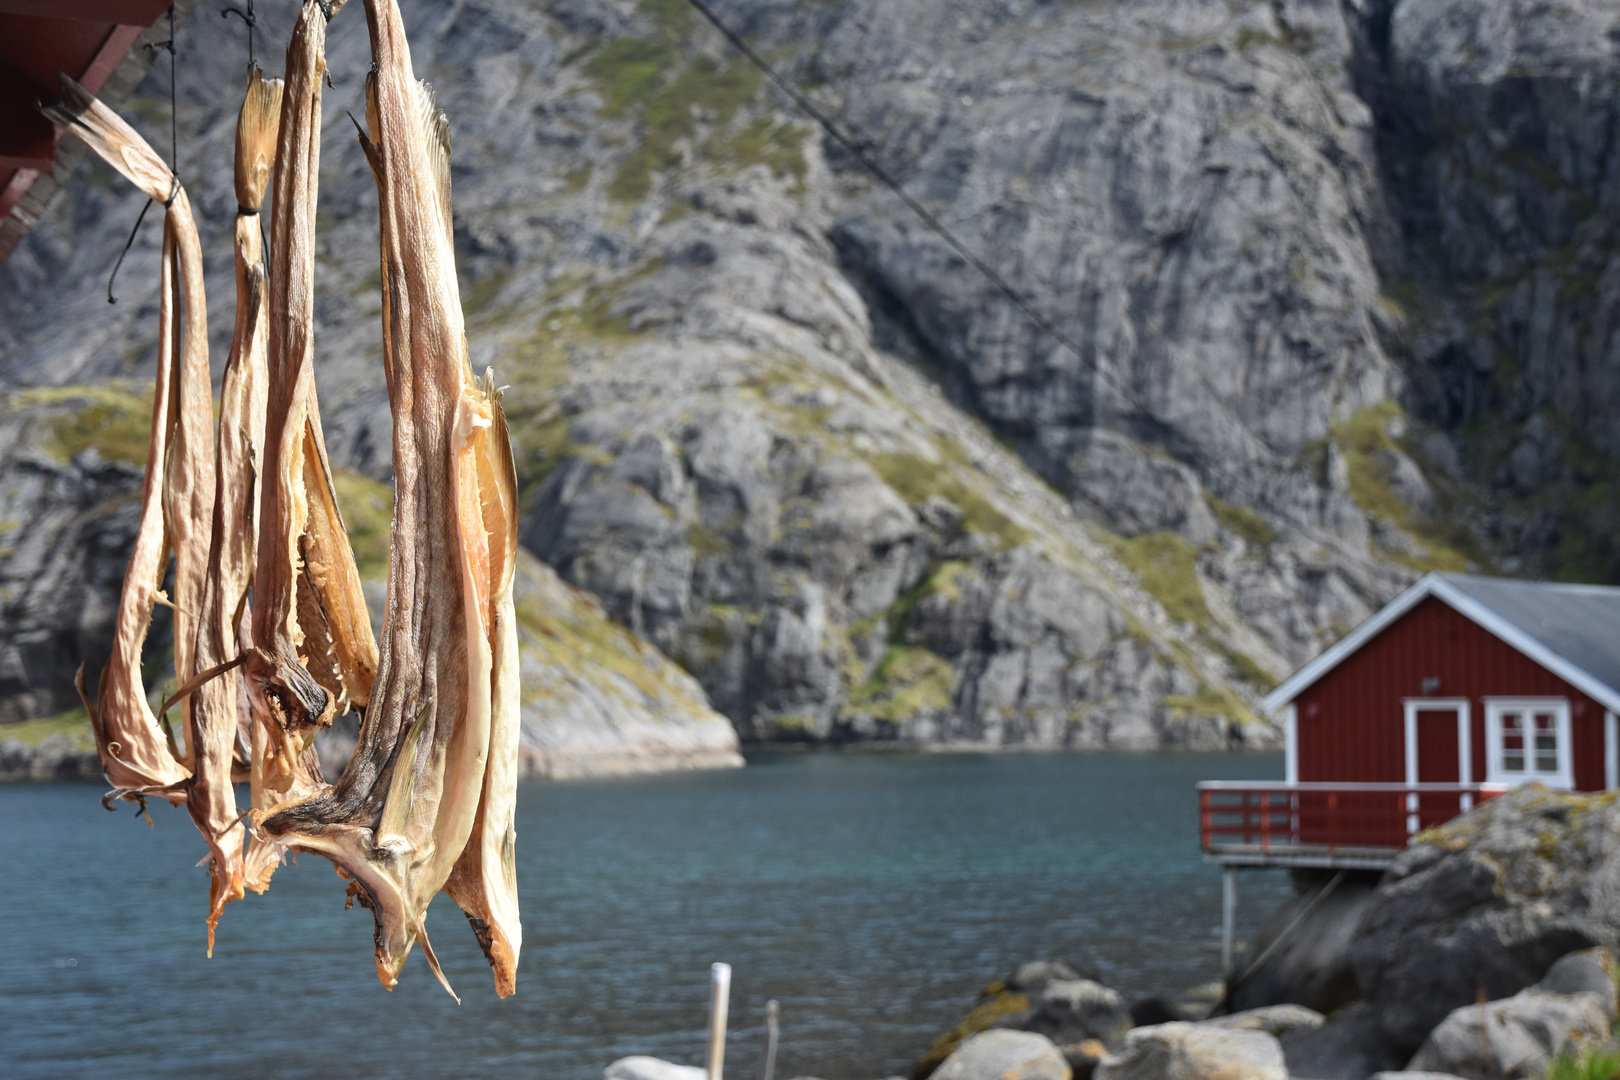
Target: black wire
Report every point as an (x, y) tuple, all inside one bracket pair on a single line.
[(174, 123), (928, 219)]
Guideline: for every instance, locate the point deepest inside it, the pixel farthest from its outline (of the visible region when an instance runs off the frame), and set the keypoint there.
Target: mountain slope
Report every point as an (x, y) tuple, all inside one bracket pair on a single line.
[(787, 434)]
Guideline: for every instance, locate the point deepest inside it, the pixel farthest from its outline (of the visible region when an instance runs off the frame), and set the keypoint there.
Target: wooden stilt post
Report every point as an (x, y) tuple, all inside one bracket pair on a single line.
[(719, 1003), (1229, 898), (767, 1064)]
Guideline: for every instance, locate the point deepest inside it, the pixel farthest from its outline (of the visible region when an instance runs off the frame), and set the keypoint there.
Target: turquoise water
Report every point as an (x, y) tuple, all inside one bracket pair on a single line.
[(871, 894)]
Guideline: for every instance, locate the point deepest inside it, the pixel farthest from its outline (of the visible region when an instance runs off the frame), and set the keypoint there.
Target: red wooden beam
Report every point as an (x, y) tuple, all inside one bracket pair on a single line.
[(129, 12), (86, 39)]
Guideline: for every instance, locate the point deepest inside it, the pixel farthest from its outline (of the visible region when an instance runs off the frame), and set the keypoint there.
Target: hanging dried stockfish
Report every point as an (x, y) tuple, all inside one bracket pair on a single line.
[(417, 789), (217, 706), (314, 653), (177, 498)]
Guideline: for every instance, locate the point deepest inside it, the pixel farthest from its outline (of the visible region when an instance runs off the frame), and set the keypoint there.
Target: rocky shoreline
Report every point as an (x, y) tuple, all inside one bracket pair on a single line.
[(1486, 952)]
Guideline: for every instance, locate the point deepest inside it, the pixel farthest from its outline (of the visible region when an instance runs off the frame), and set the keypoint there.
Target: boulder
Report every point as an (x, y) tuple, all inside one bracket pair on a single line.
[(1276, 1020), (1486, 903), (1590, 971), (1073, 1010), (1516, 1038), (1407, 1074), (1182, 1051), (1005, 1055), (1351, 1046), (1032, 977), (642, 1067)]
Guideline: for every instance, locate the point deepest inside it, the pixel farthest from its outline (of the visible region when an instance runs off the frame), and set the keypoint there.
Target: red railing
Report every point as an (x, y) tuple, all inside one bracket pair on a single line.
[(1328, 815)]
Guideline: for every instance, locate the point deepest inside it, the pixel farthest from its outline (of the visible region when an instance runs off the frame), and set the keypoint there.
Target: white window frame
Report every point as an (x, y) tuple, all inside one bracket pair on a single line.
[(1564, 778)]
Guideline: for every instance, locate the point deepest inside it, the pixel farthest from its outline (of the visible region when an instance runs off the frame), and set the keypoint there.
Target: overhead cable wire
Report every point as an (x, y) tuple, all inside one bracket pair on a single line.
[(883, 176)]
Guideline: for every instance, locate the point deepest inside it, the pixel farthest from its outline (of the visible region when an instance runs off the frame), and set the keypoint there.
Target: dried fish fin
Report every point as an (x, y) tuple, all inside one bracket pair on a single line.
[(484, 880), (177, 495), (400, 817), (215, 716), (315, 654), (328, 565), (436, 138)]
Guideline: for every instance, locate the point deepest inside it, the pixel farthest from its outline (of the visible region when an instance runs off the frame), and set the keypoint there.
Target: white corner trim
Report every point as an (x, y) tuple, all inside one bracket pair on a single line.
[(1435, 584), (1495, 707), (1291, 744), (1611, 748)]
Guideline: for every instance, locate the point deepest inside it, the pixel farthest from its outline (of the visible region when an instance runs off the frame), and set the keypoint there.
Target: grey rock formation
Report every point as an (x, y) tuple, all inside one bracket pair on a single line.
[(1276, 1020), (1181, 1051), (1486, 904), (1005, 1055), (789, 435), (1351, 1046), (55, 757), (1071, 1011), (1501, 272), (642, 1067), (1515, 1038), (1590, 971), (597, 700)]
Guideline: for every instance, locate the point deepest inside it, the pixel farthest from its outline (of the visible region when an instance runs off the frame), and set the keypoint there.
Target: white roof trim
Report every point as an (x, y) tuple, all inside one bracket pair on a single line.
[(1465, 605)]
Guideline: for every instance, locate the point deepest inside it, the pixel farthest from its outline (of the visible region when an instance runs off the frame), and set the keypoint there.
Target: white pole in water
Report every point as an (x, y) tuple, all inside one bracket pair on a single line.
[(719, 1002), (767, 1066), (1229, 901)]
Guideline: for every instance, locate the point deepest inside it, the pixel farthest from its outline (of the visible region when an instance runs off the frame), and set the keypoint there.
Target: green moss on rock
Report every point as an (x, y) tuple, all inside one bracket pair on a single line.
[(915, 479), (1367, 445), (999, 1002), (1240, 522), (113, 417), (73, 724), (907, 681), (1167, 566)]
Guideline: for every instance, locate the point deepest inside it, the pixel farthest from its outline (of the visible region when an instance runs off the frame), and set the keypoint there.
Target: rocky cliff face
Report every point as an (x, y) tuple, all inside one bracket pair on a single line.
[(787, 434)]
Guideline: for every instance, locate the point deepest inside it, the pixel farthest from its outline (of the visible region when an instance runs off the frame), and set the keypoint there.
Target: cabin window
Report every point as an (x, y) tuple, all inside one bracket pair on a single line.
[(1528, 739)]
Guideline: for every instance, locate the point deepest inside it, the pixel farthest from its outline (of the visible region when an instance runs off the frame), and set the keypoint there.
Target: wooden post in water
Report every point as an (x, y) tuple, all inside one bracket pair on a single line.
[(719, 1002), (767, 1064)]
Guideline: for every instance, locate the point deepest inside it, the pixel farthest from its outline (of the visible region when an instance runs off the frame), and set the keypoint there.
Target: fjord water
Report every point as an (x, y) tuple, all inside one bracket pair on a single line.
[(873, 895)]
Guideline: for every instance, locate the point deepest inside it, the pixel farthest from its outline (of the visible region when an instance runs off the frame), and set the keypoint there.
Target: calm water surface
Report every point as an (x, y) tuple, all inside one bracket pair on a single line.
[(872, 895)]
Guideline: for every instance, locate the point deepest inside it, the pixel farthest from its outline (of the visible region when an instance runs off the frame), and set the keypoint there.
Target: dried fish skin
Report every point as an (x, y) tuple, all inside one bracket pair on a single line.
[(484, 880), (177, 494), (400, 818), (216, 719), (314, 651)]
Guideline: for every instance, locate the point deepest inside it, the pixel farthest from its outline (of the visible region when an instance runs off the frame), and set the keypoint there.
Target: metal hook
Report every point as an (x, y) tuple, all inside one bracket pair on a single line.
[(247, 17)]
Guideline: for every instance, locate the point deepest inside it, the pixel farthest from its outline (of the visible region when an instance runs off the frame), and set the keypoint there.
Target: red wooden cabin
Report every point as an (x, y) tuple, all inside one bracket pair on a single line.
[(1460, 688)]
